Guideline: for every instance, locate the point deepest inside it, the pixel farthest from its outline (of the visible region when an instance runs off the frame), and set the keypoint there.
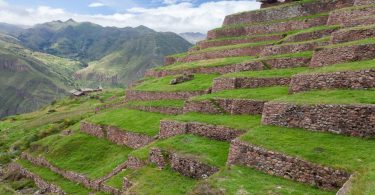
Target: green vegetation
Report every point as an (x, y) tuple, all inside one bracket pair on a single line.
[(200, 82), (236, 180), (264, 93), (158, 103), (46, 174), (206, 150), (349, 153), (81, 153), (331, 97), (130, 120), (350, 66), (288, 72), (151, 180), (240, 122)]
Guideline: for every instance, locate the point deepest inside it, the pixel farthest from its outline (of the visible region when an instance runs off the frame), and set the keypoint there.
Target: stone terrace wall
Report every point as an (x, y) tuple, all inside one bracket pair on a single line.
[(246, 66), (285, 166), (351, 35), (186, 166), (370, 20), (244, 51), (44, 186), (363, 2), (116, 135), (258, 29), (218, 43), (238, 83), (132, 95), (230, 106), (328, 56), (353, 120), (160, 109), (288, 11), (170, 128), (345, 15), (290, 48), (309, 36), (363, 79)]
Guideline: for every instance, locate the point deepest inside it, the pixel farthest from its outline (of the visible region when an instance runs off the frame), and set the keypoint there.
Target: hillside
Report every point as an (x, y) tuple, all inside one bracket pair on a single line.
[(193, 37), (29, 80), (279, 100), (115, 56)]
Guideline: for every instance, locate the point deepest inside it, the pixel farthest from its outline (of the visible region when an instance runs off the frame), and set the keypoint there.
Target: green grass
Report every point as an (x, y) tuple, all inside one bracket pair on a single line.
[(288, 72), (130, 120), (158, 103), (151, 180), (200, 82), (351, 43), (350, 66), (241, 122), (206, 150), (46, 174), (263, 93), (349, 153), (331, 97), (207, 63), (244, 180), (81, 153)]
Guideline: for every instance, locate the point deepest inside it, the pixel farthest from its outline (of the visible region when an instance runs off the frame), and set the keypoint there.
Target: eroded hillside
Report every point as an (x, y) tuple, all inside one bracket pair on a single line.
[(279, 100)]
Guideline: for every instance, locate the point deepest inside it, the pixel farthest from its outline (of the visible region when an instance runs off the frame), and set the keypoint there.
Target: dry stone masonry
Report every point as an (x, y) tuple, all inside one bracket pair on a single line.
[(116, 135), (134, 95), (247, 82), (353, 120), (346, 35), (363, 79), (285, 166)]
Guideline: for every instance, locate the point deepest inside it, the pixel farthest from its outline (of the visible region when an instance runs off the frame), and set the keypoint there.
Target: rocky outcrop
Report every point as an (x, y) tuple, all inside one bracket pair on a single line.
[(347, 35), (43, 185), (134, 95), (225, 105), (170, 128), (116, 135), (334, 55), (285, 166), (363, 79), (353, 120), (248, 82), (285, 12)]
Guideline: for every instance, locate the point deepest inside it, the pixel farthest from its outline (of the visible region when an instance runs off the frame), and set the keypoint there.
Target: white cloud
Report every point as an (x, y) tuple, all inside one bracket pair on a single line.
[(96, 4), (181, 17)]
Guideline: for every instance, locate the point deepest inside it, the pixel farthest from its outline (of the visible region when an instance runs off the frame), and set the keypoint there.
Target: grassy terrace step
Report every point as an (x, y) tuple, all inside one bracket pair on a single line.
[(331, 97), (51, 177), (350, 66), (288, 72), (264, 93), (205, 150), (81, 153), (130, 120), (152, 180), (241, 122), (349, 153), (244, 180), (200, 82), (158, 103)]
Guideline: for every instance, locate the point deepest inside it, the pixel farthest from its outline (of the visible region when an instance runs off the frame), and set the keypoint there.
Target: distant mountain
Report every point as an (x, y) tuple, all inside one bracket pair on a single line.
[(193, 37), (41, 63), (115, 56), (29, 80)]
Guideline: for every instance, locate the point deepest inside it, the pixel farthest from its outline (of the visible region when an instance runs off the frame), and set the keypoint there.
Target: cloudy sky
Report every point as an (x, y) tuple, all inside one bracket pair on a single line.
[(161, 15)]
